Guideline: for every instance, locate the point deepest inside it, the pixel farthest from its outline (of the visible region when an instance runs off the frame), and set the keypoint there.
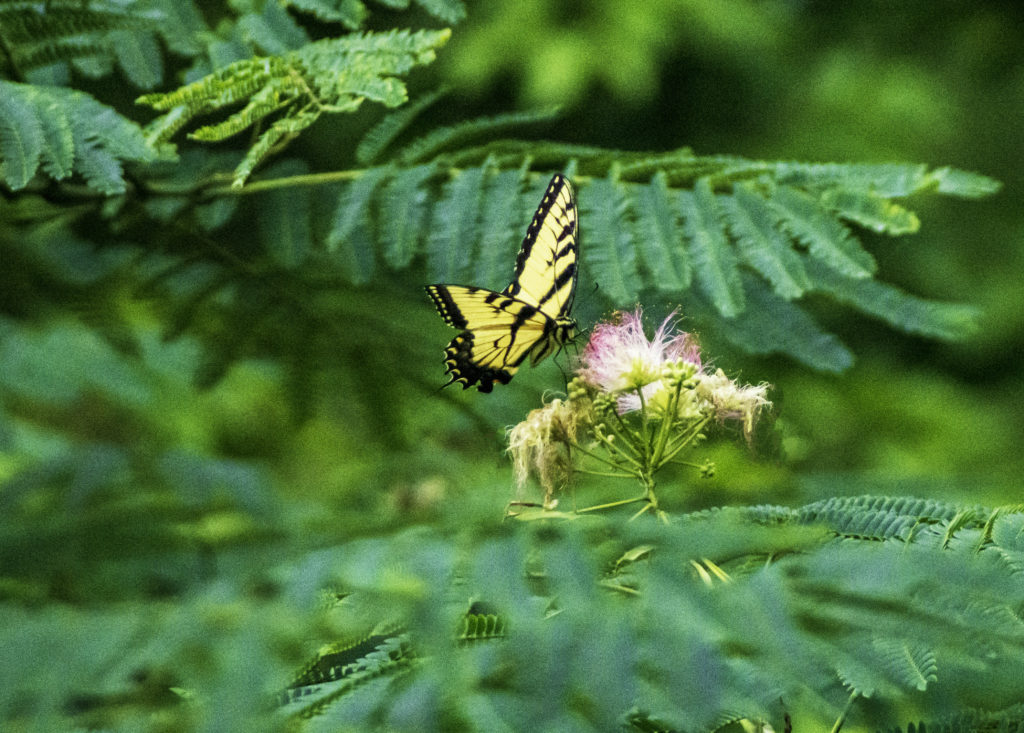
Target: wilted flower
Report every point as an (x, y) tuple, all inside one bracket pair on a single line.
[(539, 444), (732, 401)]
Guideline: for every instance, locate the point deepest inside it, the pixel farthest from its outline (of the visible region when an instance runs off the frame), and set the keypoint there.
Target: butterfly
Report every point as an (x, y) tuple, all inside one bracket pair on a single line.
[(530, 317)]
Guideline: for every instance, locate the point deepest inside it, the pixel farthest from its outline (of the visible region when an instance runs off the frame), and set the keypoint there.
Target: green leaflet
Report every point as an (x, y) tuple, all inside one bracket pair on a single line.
[(947, 321), (63, 131), (89, 37), (381, 135), (350, 237), (434, 142), (503, 222), (660, 236), (825, 238), (403, 212), (762, 245), (455, 227), (607, 252), (295, 86), (713, 259)]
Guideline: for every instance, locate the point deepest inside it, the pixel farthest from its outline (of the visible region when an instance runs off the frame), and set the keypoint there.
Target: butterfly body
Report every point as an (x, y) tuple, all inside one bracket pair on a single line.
[(530, 317)]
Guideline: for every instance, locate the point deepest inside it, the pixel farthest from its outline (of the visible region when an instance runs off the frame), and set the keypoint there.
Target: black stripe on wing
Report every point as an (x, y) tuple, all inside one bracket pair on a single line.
[(549, 248), (467, 372), (447, 306)]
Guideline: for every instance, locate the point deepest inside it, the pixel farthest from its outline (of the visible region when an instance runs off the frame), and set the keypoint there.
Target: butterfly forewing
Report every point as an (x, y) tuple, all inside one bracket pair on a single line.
[(545, 274)]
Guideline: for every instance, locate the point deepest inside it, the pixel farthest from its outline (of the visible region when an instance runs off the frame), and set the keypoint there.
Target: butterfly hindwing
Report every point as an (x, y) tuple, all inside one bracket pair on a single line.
[(527, 319), (499, 333)]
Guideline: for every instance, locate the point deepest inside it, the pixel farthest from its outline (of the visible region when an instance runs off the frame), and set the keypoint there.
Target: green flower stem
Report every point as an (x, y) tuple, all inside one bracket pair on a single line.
[(644, 439), (611, 504), (626, 448), (642, 510), (608, 474), (609, 462), (685, 440), (667, 423), (842, 716), (623, 431)]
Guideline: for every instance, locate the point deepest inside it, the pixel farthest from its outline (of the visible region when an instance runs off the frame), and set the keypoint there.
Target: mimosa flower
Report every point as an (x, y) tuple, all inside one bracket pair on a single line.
[(634, 406), (619, 357), (645, 373)]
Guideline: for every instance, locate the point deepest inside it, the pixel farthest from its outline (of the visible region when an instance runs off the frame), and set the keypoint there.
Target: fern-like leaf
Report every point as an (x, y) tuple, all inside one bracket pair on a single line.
[(263, 103), (660, 236), (403, 215), (271, 29), (139, 54), (21, 136), (390, 127), (477, 627), (89, 35), (65, 131), (334, 75), (947, 321), (713, 258), (501, 223), (449, 11), (911, 664), (434, 142), (756, 228), (350, 13), (455, 226), (351, 214), (610, 255), (874, 517), (1010, 721), (960, 183), (872, 211), (341, 681), (1006, 533), (824, 236), (281, 130), (772, 325)]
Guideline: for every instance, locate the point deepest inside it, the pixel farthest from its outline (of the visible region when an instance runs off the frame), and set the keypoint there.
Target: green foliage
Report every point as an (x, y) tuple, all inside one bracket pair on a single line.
[(753, 237), (353, 13), (1009, 721), (65, 132), (333, 75), (801, 616), (91, 36), (459, 135)]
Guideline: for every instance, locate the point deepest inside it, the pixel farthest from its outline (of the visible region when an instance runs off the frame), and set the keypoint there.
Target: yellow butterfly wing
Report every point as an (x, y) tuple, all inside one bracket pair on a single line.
[(498, 333), (527, 319), (546, 265)]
